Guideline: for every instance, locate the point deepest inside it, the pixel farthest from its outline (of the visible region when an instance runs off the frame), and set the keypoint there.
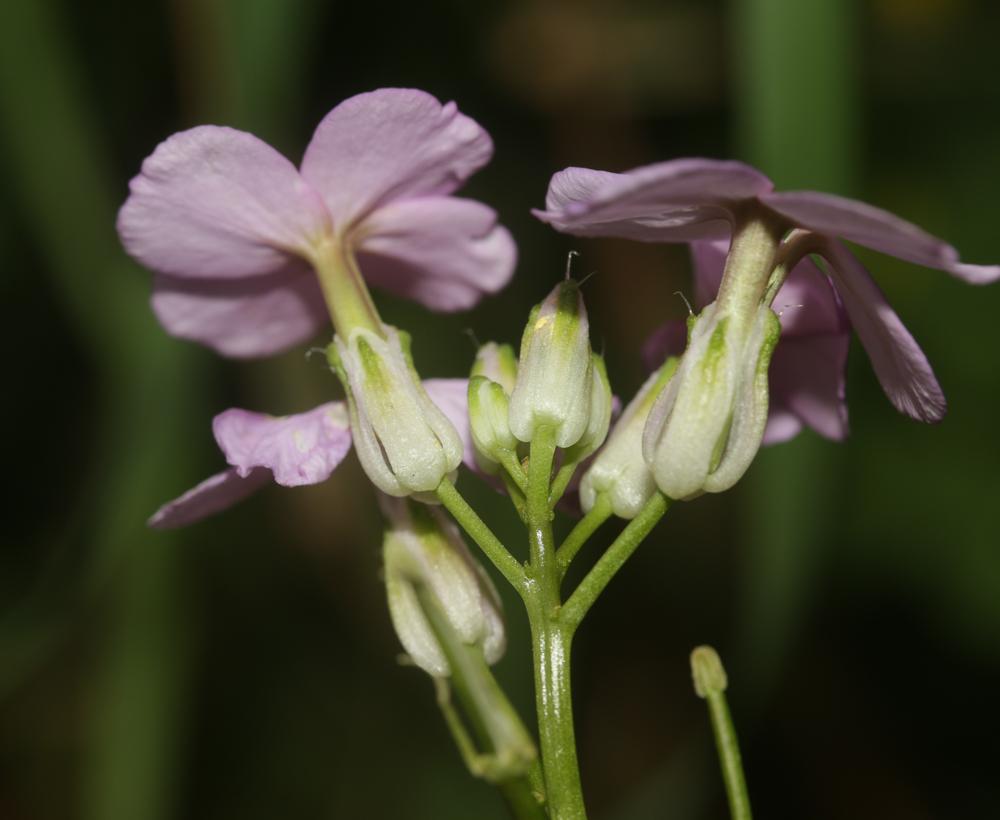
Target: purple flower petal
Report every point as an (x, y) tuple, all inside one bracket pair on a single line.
[(677, 201), (782, 426), (709, 261), (876, 229), (213, 495), (300, 449), (243, 318), (900, 364), (452, 397), (807, 380), (443, 252), (218, 203), (669, 339), (391, 144)]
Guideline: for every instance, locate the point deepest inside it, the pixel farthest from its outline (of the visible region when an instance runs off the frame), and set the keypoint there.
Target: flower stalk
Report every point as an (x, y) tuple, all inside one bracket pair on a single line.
[(347, 297), (710, 683), (551, 641)]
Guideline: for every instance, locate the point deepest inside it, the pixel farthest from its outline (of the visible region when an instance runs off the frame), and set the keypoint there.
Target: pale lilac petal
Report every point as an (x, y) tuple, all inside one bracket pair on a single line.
[(782, 426), (669, 339), (443, 252), (900, 364), (243, 318), (877, 229), (807, 380), (215, 202), (300, 449), (676, 201), (452, 397), (390, 144), (213, 495), (709, 261), (808, 304)]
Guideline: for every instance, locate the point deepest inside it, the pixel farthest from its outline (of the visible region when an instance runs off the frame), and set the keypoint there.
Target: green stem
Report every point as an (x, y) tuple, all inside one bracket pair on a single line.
[(551, 642), (617, 554), (347, 297), (508, 754), (515, 494), (585, 527), (508, 460), (729, 756), (477, 530), (563, 477)]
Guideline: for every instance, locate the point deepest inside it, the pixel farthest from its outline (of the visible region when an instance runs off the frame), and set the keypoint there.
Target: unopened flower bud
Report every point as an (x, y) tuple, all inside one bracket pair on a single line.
[(600, 412), (706, 426), (404, 442), (488, 412), (619, 471), (498, 363), (423, 548), (553, 379), (707, 671)]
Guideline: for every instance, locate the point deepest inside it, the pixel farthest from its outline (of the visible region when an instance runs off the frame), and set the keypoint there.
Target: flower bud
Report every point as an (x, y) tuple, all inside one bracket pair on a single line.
[(498, 364), (404, 442), (423, 547), (707, 671), (553, 379), (488, 411), (706, 426), (600, 412), (619, 471)]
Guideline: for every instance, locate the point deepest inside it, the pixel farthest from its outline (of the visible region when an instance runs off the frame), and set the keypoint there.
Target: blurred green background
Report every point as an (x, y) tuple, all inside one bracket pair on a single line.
[(245, 667)]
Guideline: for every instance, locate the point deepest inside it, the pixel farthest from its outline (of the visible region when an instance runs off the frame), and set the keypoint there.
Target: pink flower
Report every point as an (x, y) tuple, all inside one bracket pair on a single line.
[(291, 450), (807, 369), (234, 231), (699, 199)]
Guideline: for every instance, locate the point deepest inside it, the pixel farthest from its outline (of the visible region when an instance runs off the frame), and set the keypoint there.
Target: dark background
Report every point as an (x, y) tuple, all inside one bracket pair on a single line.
[(245, 667)]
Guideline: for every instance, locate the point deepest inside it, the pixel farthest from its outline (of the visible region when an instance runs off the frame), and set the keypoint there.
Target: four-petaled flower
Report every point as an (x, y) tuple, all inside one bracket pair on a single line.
[(235, 232), (690, 200)]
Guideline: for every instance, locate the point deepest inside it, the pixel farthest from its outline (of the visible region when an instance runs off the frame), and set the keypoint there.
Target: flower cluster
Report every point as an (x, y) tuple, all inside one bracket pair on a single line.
[(252, 255)]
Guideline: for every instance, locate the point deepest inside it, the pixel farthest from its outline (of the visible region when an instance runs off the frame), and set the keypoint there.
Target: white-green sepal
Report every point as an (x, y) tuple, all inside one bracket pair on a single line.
[(404, 442), (553, 387), (422, 546)]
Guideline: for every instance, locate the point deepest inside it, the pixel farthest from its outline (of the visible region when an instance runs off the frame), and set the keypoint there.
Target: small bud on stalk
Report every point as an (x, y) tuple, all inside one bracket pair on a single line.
[(422, 546), (553, 387), (498, 363), (488, 411), (492, 378), (619, 470), (404, 442)]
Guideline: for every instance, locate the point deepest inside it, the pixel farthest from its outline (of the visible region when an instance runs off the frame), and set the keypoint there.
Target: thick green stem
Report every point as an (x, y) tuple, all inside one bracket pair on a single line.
[(550, 643), (477, 530), (585, 527), (617, 554)]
